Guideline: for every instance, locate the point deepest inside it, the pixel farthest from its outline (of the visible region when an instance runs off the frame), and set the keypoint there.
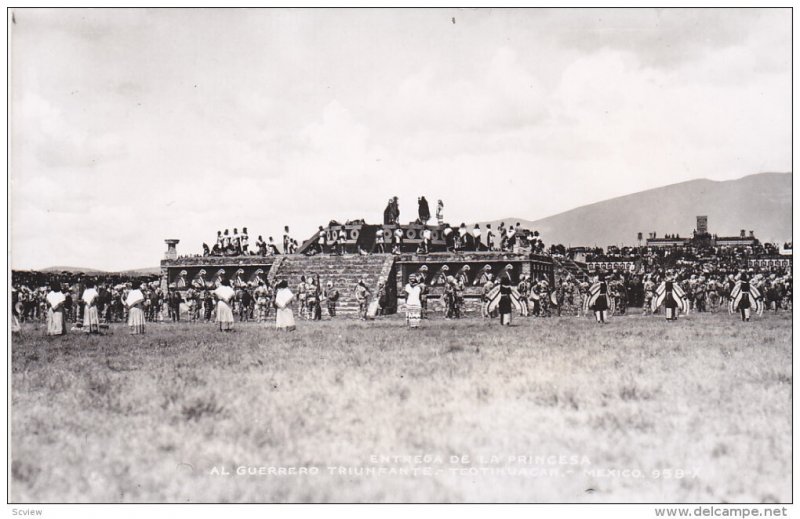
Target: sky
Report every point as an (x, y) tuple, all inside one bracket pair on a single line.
[(128, 127)]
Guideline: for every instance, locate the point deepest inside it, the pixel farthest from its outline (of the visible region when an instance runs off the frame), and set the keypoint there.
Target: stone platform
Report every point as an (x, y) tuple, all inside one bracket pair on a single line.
[(531, 265), (345, 271)]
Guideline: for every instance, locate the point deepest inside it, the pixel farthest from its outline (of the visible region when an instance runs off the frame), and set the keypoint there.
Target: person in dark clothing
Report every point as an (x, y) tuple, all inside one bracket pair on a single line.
[(104, 301), (744, 303), (208, 304), (244, 305), (395, 211), (175, 301), (68, 307), (388, 214), (597, 300), (424, 210), (670, 301), (774, 296), (504, 307)]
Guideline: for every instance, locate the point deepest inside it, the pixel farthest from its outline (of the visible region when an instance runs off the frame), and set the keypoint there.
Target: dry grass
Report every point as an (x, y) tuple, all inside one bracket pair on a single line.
[(140, 419)]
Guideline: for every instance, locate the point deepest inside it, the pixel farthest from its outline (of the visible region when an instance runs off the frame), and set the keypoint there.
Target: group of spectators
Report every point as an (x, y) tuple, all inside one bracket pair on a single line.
[(707, 285), (29, 291), (458, 239), (238, 244), (706, 273), (503, 238), (29, 303), (719, 256)]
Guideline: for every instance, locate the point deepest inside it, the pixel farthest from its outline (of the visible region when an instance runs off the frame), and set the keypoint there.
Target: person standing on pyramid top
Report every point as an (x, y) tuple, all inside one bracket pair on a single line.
[(424, 210)]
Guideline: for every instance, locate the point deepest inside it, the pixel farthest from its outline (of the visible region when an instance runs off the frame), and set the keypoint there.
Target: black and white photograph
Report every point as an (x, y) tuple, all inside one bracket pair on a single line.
[(400, 256)]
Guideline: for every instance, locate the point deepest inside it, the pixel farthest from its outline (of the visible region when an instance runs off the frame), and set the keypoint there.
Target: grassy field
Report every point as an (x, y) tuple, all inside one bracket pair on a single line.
[(549, 410)]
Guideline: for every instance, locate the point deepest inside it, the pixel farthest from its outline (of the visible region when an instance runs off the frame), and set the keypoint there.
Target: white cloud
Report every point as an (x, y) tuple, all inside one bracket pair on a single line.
[(167, 125)]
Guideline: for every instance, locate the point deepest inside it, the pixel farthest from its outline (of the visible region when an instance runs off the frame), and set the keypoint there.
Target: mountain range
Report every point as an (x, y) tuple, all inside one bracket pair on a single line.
[(761, 203)]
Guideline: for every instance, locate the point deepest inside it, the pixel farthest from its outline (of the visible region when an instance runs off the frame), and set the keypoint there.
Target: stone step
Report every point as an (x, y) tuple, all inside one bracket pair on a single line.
[(331, 271), (345, 258), (344, 271), (307, 274), (329, 266)]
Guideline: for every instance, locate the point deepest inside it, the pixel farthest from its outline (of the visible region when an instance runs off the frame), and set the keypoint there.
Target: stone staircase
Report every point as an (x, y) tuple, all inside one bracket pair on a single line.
[(578, 270), (344, 271)]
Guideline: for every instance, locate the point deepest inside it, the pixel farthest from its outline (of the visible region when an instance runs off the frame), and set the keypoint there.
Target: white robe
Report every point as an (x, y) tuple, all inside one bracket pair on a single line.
[(55, 319), (55, 299), (284, 319), (134, 297), (224, 293), (91, 318), (89, 296)]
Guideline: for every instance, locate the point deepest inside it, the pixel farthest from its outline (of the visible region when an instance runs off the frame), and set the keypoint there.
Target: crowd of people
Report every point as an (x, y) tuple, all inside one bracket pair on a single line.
[(706, 278), (91, 304), (74, 301), (720, 257), (238, 244), (511, 238), (30, 289), (502, 238), (570, 295), (30, 303)]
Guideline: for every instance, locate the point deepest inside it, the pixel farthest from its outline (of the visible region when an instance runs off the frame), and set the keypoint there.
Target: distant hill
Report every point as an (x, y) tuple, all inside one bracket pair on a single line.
[(152, 271), (761, 203), (73, 270), (94, 272)]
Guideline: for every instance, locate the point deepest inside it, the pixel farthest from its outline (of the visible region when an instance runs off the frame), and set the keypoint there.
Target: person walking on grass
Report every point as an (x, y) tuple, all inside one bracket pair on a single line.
[(135, 303), (671, 295), (55, 310), (745, 298), (261, 302), (362, 297), (504, 306), (597, 300), (486, 288), (91, 317), (313, 299), (245, 303), (224, 295), (301, 297), (284, 320), (413, 302), (503, 299)]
